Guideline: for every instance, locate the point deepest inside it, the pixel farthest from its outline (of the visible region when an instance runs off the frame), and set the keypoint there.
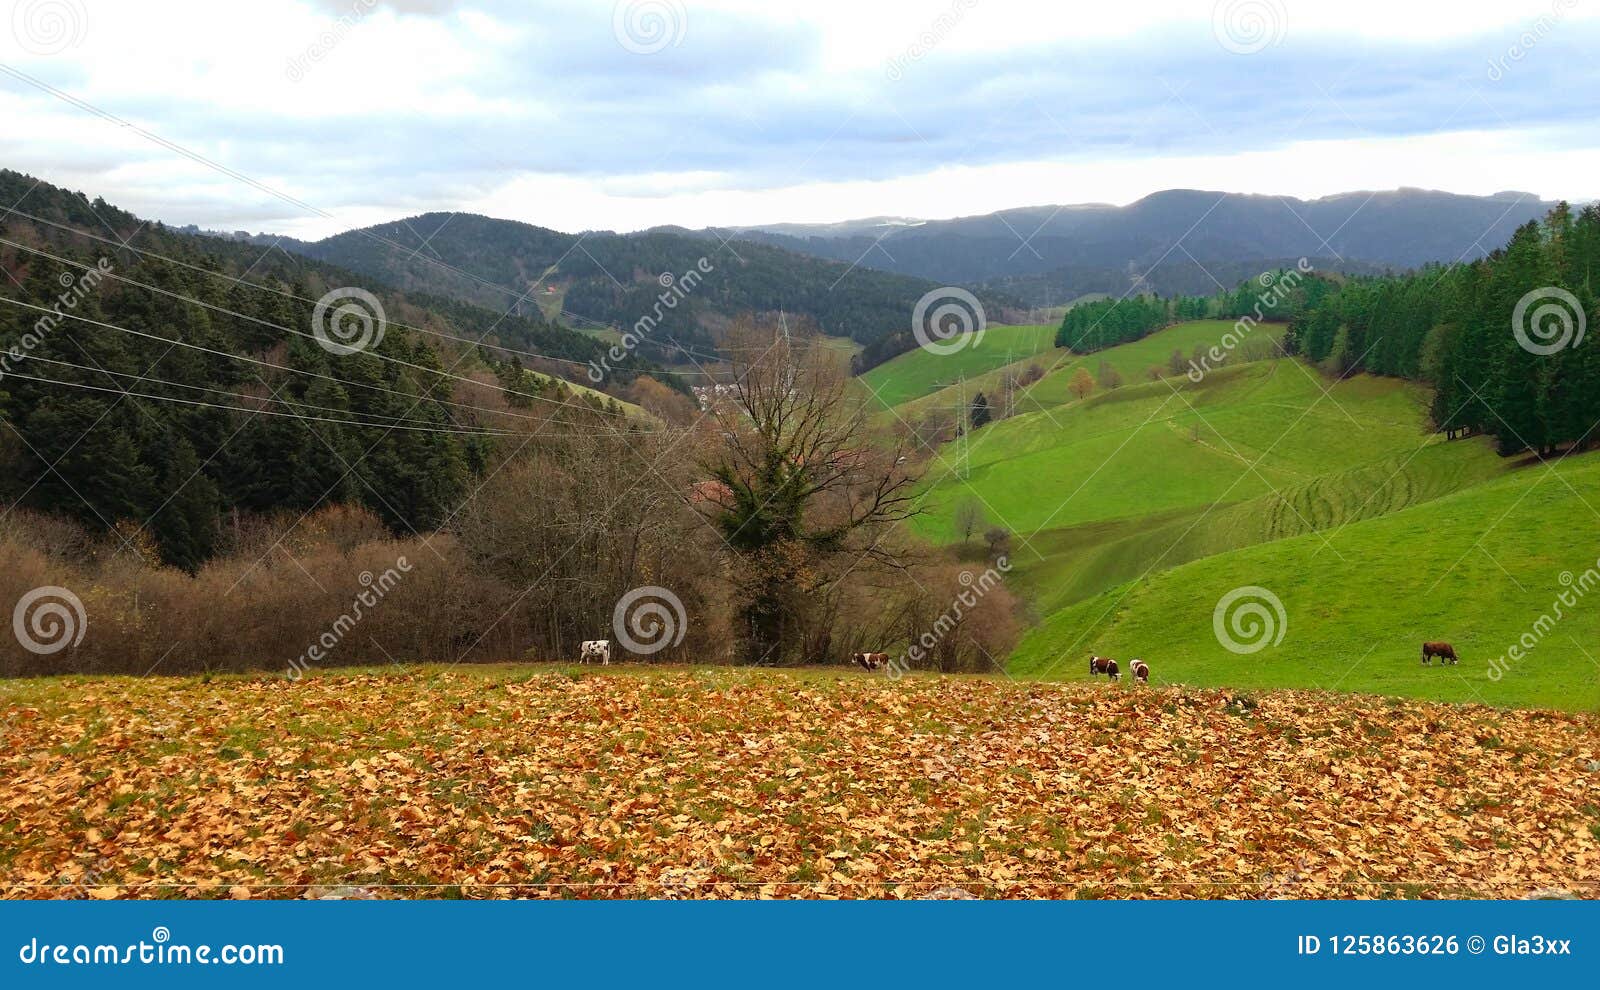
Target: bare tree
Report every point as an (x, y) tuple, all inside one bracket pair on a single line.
[(804, 491), (968, 518), (999, 540)]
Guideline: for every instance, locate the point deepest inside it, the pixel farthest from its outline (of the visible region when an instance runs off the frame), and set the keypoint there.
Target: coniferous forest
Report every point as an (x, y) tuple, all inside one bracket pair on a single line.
[(164, 387), (1497, 338)]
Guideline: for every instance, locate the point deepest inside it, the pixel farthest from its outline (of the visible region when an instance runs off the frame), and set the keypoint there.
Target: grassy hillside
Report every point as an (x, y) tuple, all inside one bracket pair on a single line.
[(1477, 568), (1135, 510), (1081, 561), (919, 372), (518, 781), (1134, 360), (1155, 447)]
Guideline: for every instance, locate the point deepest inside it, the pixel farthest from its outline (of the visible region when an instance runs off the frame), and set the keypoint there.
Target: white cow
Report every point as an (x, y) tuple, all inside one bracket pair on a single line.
[(596, 649)]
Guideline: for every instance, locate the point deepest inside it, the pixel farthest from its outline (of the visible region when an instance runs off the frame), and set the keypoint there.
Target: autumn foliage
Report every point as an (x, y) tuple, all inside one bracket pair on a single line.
[(667, 782)]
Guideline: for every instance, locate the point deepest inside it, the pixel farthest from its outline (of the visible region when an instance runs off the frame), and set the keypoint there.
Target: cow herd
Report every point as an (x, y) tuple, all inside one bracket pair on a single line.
[(599, 650), (1107, 666)]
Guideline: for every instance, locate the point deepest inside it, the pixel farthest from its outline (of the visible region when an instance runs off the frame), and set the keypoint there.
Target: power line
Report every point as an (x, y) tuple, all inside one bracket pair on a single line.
[(291, 403), (244, 409), (268, 323), (145, 252), (296, 371)]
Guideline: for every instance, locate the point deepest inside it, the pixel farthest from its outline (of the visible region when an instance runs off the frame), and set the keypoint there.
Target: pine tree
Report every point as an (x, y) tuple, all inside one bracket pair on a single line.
[(979, 414)]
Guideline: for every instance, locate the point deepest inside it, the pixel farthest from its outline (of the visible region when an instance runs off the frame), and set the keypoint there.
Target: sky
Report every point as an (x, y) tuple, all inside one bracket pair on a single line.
[(307, 118)]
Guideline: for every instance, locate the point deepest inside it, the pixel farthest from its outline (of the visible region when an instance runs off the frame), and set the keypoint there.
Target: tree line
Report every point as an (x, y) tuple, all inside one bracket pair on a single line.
[(1098, 324), (1501, 340)]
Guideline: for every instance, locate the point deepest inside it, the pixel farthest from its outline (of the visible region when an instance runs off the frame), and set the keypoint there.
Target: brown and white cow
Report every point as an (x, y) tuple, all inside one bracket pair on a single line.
[(1444, 651), (1140, 671), (1104, 665), (870, 661)]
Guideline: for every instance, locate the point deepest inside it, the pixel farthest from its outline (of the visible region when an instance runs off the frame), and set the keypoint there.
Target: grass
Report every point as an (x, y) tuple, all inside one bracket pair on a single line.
[(1478, 568), (1157, 447), (1135, 359), (920, 372), (1136, 510)]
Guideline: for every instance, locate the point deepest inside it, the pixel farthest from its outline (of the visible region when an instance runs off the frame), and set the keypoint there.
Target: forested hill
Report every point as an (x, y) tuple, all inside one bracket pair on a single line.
[(1050, 254), (617, 279), (156, 382), (1505, 341)]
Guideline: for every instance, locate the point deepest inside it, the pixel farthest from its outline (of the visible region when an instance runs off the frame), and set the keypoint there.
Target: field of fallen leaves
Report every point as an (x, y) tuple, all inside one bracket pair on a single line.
[(671, 782)]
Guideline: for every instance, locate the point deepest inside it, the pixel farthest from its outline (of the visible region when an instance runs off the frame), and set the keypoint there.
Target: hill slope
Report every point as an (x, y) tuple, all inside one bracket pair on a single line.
[(1134, 511), (1478, 568), (922, 372), (619, 278)]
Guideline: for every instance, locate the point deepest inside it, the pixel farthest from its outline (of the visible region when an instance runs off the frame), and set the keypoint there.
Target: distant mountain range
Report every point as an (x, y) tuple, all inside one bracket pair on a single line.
[(861, 278), (1179, 240)]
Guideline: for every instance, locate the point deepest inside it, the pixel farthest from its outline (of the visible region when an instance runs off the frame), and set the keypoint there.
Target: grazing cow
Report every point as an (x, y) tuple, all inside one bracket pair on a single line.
[(870, 661), (1140, 671), (1104, 665), (1444, 651), (596, 649)]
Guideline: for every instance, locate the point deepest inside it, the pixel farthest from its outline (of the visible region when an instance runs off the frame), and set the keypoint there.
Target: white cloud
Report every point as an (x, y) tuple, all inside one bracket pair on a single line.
[(775, 112)]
